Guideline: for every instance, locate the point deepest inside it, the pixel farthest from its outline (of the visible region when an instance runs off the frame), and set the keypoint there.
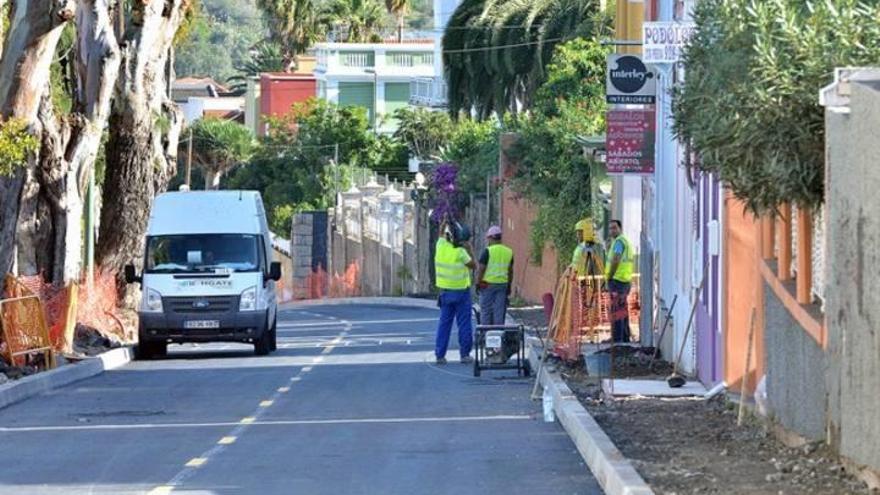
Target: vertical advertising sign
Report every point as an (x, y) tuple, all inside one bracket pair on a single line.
[(629, 142), (629, 81)]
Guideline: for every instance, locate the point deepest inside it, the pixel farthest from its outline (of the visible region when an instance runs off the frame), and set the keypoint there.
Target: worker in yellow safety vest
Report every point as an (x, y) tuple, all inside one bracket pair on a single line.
[(453, 262), (618, 275), (494, 281), (494, 274)]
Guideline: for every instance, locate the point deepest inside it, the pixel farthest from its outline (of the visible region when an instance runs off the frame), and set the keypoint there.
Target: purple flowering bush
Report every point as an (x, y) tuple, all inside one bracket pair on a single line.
[(443, 192)]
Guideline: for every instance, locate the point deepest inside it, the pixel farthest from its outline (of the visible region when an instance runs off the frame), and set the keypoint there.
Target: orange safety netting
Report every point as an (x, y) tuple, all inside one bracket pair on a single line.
[(581, 312), (63, 307), (319, 284)]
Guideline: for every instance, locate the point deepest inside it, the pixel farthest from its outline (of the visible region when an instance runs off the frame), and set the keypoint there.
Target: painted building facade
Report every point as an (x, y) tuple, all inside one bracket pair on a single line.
[(431, 92), (681, 239), (375, 76)]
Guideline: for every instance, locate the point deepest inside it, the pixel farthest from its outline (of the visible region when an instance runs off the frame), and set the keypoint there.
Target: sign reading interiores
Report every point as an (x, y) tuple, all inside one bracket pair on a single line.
[(629, 142), (664, 41), (629, 81)]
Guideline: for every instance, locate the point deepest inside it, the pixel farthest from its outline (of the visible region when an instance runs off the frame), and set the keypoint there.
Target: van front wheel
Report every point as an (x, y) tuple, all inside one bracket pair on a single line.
[(150, 350), (263, 345), (273, 343)]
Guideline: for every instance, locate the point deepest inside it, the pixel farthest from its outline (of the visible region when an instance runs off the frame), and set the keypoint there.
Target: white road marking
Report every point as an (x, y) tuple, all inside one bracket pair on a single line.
[(292, 422), (180, 478), (355, 323)]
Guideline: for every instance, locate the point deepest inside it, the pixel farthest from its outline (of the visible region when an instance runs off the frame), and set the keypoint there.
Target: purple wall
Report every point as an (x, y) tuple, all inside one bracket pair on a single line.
[(707, 319)]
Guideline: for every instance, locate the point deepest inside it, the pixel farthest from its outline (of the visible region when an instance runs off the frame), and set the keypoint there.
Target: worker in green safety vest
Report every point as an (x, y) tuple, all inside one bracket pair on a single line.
[(618, 276), (494, 281), (494, 274), (453, 262)]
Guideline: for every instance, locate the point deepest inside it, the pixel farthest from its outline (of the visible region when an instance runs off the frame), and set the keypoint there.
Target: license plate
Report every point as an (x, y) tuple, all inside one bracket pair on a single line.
[(493, 341), (202, 324)]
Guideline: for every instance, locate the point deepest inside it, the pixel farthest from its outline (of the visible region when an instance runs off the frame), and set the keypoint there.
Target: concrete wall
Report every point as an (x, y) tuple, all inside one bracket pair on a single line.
[(795, 372), (853, 262)]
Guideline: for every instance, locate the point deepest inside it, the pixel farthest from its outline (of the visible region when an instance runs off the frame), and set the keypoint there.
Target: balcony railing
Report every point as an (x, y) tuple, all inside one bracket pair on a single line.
[(356, 59), (400, 59), (428, 92)]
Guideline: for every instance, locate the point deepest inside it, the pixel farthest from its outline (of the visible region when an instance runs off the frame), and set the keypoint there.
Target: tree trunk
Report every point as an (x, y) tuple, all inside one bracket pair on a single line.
[(144, 129), (2, 31), (97, 69), (50, 233), (34, 30)]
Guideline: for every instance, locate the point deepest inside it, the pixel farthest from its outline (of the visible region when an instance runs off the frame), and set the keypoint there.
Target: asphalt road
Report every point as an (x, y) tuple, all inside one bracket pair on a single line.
[(351, 403)]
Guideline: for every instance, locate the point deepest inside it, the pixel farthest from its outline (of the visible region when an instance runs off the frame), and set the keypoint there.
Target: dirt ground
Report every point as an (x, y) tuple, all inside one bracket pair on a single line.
[(685, 446)]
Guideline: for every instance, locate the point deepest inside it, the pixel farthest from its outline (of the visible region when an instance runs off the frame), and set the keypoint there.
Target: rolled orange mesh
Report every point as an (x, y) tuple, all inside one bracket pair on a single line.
[(319, 284)]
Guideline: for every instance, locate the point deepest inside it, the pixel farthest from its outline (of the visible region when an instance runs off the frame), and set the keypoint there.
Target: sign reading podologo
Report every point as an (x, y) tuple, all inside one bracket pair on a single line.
[(629, 81)]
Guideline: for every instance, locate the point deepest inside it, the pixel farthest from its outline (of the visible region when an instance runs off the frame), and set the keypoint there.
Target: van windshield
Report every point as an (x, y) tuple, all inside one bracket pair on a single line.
[(202, 253)]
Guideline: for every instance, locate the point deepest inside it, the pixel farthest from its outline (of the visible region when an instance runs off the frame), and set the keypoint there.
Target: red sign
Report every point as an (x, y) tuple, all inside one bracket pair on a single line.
[(629, 142)]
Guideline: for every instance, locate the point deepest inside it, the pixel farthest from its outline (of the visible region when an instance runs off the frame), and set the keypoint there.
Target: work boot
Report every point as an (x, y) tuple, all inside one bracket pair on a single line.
[(440, 361), (467, 359)]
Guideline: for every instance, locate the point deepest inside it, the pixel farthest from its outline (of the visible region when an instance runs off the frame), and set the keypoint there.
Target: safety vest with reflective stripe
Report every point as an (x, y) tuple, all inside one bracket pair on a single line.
[(498, 269), (624, 271), (451, 273)]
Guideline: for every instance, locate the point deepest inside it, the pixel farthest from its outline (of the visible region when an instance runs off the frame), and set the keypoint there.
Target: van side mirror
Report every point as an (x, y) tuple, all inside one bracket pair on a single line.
[(274, 271), (131, 275)]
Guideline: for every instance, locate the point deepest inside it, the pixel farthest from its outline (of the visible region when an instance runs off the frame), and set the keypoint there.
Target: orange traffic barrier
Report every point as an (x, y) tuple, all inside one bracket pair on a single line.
[(24, 329)]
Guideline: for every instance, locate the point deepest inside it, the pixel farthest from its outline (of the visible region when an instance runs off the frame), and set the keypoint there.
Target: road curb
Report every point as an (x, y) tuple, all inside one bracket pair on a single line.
[(29, 386), (612, 470), (411, 302)]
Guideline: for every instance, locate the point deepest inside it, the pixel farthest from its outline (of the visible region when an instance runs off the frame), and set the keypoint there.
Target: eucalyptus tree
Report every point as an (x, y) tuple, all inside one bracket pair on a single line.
[(144, 129), (41, 202)]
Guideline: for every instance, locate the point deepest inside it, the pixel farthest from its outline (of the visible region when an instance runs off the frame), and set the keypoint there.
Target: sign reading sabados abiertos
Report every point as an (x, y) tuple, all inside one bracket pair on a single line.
[(629, 142)]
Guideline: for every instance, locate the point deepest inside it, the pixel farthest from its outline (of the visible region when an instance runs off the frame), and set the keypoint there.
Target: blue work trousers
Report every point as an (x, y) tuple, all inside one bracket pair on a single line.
[(493, 304), (455, 304)]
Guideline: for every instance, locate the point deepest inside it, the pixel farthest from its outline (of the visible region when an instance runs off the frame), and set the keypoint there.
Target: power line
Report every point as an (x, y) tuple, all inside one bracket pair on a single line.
[(502, 47)]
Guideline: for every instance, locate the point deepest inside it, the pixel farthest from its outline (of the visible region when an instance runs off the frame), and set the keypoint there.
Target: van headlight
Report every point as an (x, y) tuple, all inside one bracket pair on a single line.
[(248, 299), (152, 302)]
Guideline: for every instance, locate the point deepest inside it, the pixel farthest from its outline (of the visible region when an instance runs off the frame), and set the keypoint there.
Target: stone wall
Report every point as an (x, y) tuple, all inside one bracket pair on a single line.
[(796, 369)]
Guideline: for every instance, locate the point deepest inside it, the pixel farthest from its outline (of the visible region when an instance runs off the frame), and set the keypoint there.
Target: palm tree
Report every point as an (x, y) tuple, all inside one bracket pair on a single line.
[(495, 51), (362, 18), (265, 56), (398, 8), (295, 24)]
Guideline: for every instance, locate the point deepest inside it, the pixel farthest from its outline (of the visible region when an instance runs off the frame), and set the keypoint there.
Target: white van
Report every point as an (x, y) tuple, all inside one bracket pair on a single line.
[(208, 274)]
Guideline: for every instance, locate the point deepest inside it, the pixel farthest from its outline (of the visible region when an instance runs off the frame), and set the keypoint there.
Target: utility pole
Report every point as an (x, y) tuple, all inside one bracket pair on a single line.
[(336, 174), (189, 159)]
